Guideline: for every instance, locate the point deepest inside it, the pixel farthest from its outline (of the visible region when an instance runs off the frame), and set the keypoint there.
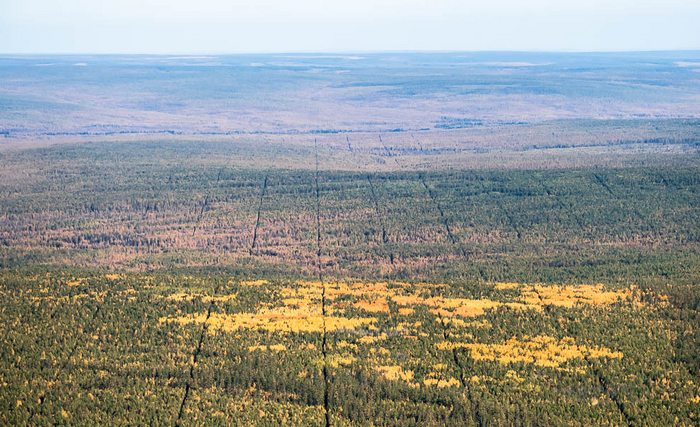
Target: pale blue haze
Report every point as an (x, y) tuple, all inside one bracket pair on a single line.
[(232, 26)]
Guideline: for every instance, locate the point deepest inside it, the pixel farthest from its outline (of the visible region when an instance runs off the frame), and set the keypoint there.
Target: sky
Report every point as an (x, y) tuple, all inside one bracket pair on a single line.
[(251, 26)]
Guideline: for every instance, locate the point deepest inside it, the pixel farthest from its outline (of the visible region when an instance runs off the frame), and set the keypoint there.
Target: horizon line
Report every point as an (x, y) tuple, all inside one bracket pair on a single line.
[(359, 51)]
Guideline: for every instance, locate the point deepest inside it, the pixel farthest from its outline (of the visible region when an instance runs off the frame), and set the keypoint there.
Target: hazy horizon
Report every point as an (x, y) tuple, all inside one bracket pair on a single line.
[(309, 26), (347, 52)]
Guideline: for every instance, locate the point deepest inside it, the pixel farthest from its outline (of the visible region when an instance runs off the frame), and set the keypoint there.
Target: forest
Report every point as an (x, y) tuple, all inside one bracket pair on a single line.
[(422, 264), (165, 292)]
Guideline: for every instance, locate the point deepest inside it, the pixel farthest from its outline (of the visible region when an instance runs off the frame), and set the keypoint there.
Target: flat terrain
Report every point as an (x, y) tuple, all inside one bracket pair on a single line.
[(144, 206), (460, 239), (97, 95)]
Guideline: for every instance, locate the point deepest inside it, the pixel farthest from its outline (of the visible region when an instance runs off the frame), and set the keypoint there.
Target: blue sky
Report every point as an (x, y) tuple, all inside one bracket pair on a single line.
[(233, 26)]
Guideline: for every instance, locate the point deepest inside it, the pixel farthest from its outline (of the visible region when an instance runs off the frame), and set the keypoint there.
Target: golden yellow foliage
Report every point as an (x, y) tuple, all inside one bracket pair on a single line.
[(512, 375), (381, 350), (464, 307), (395, 373), (336, 360), (422, 285), (184, 296), (177, 296), (507, 285), (295, 302), (298, 310), (440, 383), (375, 296), (371, 339), (273, 347), (541, 350), (570, 295), (370, 289), (379, 305), (480, 324), (311, 285), (274, 320), (450, 307), (113, 276), (345, 344)]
